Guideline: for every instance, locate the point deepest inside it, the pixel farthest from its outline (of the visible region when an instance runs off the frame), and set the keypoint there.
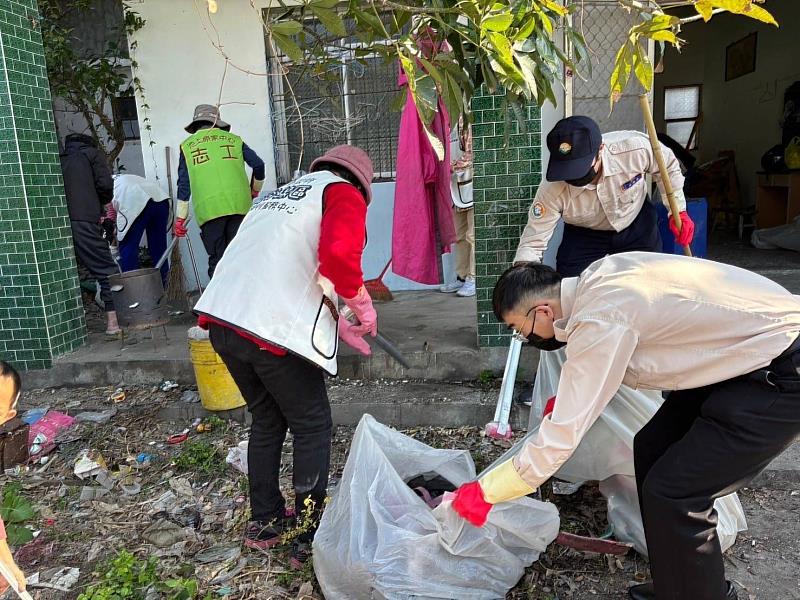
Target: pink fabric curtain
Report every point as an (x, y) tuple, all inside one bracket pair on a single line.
[(423, 225)]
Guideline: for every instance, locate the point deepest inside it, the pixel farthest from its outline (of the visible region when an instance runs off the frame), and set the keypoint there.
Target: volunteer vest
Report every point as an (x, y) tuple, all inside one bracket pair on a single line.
[(268, 281), (219, 183)]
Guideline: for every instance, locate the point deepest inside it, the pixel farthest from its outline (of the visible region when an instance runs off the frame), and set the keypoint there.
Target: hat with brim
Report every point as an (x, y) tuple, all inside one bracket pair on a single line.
[(206, 114), (353, 159), (573, 145)]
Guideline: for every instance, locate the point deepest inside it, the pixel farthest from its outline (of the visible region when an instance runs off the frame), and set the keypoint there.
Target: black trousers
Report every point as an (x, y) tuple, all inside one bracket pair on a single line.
[(282, 392), (703, 444), (216, 235), (580, 246), (92, 250)]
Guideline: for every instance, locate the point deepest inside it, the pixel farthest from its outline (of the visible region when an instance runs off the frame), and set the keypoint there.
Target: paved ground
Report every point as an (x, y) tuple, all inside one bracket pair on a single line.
[(436, 332)]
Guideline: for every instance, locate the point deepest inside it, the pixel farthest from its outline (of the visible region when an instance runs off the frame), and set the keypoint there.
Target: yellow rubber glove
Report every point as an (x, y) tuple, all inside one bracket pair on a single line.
[(503, 484)]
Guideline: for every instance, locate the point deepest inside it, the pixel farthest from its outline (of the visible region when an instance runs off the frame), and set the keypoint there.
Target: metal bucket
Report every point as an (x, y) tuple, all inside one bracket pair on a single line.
[(138, 297)]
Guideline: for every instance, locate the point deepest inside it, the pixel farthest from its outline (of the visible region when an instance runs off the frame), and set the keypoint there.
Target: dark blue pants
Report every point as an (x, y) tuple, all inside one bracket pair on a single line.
[(580, 246), (153, 220)]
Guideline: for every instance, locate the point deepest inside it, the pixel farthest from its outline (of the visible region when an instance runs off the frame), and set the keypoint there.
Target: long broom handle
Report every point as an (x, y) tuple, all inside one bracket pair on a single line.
[(662, 166)]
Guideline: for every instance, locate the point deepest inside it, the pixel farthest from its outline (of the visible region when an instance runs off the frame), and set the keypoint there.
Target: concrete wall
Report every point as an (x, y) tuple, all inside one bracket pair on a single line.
[(180, 67), (742, 114)]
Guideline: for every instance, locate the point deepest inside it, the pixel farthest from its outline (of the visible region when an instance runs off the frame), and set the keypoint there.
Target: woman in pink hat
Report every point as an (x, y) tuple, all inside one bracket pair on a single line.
[(272, 313)]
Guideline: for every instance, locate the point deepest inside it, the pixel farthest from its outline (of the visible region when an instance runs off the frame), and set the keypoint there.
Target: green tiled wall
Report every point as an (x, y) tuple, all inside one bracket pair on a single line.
[(41, 315), (505, 182)]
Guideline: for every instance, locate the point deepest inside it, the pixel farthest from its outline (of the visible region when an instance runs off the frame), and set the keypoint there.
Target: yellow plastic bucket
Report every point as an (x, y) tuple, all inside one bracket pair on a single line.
[(215, 385)]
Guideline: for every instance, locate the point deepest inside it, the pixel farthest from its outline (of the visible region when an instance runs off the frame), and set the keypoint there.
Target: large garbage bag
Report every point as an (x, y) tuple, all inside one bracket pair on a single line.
[(378, 539), (606, 455)]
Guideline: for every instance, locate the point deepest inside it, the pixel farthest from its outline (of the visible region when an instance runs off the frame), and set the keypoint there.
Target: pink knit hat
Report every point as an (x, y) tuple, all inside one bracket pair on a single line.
[(353, 159)]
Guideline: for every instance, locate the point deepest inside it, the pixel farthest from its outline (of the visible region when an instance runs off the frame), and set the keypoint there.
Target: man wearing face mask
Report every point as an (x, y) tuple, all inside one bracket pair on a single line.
[(597, 184), (731, 357)]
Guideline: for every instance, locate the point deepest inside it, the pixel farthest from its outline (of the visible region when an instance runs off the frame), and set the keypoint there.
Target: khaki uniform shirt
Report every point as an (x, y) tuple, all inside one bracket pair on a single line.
[(611, 204), (659, 322)]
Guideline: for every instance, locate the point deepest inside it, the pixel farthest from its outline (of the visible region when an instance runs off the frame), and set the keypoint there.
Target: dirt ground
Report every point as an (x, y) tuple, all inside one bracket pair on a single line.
[(186, 507)]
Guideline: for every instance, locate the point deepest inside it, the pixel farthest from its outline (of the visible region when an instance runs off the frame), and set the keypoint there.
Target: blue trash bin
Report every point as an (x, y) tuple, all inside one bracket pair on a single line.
[(698, 212)]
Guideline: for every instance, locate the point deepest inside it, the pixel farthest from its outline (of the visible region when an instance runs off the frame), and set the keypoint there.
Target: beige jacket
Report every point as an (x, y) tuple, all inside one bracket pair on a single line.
[(612, 204), (653, 321)]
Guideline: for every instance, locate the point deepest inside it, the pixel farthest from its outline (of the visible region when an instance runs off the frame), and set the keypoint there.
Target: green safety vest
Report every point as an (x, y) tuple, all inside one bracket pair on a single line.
[(216, 174)]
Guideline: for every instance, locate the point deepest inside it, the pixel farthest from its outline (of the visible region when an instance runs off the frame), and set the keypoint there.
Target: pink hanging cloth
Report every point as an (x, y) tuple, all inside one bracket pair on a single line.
[(423, 225)]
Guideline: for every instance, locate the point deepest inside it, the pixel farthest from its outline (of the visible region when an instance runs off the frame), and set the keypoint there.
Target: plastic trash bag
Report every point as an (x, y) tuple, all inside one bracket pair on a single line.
[(378, 539), (605, 454)]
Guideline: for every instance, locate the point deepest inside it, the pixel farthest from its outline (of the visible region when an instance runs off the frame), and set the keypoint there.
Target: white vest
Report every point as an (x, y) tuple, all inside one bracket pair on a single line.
[(268, 281)]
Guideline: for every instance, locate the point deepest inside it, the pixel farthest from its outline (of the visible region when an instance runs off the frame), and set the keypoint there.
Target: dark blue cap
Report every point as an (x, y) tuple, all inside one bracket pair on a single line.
[(573, 144)]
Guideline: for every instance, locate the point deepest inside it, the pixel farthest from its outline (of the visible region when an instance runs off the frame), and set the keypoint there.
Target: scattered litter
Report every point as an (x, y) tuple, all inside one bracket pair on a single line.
[(62, 579), (89, 464), (165, 501), (43, 433), (190, 397), (31, 416), (181, 486), (178, 438), (168, 385), (237, 457), (96, 417), (218, 554), (164, 533), (143, 458), (92, 493), (565, 488), (197, 333), (175, 313), (118, 395), (134, 305)]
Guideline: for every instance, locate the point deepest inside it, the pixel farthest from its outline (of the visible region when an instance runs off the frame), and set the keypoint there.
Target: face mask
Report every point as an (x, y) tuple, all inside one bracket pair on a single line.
[(546, 344), (585, 180)]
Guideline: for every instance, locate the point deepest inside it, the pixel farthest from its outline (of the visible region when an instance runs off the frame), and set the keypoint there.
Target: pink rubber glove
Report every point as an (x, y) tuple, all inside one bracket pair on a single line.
[(180, 228), (469, 503), (352, 338), (362, 308), (685, 235)]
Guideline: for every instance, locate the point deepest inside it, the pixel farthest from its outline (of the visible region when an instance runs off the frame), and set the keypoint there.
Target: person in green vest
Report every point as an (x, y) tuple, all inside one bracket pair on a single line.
[(211, 170)]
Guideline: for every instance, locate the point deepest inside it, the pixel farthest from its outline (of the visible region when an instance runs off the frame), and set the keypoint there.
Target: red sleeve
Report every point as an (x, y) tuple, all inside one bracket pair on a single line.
[(341, 239)]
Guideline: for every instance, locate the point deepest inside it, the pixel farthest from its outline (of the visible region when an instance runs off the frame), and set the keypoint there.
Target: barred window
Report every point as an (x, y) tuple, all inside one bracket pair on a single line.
[(351, 105)]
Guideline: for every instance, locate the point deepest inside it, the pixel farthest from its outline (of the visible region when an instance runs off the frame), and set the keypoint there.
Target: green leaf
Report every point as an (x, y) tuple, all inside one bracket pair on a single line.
[(368, 20), (330, 19), (760, 14), (622, 71), (323, 3), (398, 101), (429, 68), (286, 28), (526, 29), (15, 508), (18, 535), (665, 35), (643, 68), (288, 47), (497, 22)]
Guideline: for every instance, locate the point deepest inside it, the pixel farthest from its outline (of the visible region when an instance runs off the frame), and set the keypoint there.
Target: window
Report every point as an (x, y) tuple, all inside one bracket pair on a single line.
[(126, 114), (682, 114), (351, 105)]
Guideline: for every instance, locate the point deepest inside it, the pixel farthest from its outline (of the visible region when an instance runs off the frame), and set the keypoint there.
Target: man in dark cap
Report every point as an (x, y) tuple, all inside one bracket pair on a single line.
[(211, 170), (597, 184)]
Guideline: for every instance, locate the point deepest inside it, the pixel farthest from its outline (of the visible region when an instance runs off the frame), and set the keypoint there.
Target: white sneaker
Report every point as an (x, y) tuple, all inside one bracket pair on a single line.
[(468, 289), (454, 286)]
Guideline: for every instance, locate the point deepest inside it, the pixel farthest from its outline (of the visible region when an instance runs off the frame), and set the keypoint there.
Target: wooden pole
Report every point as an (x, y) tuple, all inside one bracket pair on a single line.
[(662, 167)]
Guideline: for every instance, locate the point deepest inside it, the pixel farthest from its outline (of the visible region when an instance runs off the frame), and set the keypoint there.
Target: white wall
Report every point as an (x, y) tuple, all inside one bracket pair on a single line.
[(743, 114), (179, 67)]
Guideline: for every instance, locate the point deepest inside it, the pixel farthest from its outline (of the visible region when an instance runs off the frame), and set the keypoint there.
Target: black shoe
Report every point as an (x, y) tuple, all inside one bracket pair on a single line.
[(645, 591), (263, 535), (299, 555)]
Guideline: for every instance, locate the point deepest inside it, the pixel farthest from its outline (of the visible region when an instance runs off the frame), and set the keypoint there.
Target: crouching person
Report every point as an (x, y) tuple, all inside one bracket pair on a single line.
[(724, 339), (271, 310), (10, 388)]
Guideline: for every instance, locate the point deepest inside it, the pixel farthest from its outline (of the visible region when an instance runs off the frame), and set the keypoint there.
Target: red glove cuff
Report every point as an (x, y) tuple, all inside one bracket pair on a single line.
[(471, 505)]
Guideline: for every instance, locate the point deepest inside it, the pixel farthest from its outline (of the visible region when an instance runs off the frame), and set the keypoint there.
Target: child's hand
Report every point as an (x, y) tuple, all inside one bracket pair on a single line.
[(18, 575)]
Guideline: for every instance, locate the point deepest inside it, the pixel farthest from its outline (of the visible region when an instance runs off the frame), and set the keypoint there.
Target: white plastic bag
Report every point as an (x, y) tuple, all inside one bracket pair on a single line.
[(237, 457), (605, 454), (378, 539)]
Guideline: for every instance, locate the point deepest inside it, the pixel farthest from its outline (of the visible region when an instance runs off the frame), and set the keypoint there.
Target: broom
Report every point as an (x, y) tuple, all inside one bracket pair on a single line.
[(176, 289), (377, 289)]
